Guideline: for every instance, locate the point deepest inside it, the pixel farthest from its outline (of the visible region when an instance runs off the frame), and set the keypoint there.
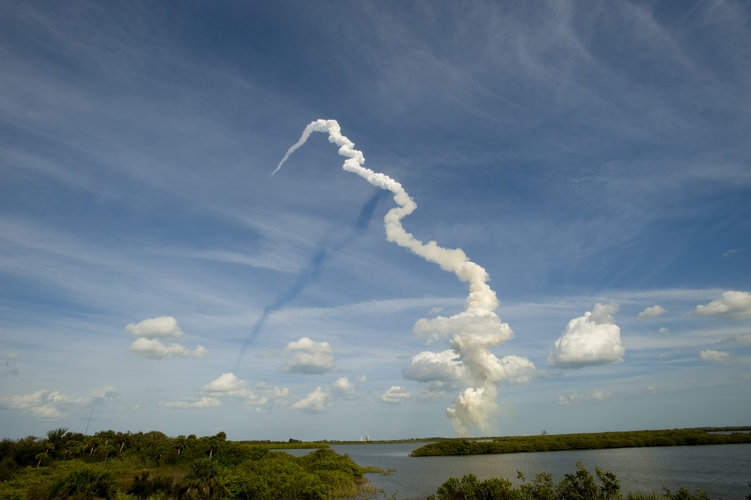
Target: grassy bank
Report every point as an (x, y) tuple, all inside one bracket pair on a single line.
[(586, 441)]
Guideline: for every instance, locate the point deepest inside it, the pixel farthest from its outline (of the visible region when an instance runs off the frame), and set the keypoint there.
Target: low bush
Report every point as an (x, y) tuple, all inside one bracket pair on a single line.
[(143, 487), (578, 485), (85, 483)]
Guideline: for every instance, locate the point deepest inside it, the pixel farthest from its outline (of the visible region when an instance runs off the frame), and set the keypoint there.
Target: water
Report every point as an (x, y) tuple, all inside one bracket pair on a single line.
[(722, 471)]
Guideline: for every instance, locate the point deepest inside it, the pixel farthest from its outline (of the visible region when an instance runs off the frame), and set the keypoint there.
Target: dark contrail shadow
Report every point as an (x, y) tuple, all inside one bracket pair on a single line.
[(312, 270)]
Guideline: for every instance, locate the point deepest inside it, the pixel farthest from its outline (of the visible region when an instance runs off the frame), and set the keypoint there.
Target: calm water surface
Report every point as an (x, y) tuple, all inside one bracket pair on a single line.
[(722, 471)]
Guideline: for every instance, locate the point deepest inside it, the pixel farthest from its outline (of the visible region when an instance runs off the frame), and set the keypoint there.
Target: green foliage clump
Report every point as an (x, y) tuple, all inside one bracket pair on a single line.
[(65, 464), (203, 480), (578, 485), (468, 487), (320, 474), (681, 494), (143, 487), (86, 482), (542, 488), (278, 475), (582, 485)]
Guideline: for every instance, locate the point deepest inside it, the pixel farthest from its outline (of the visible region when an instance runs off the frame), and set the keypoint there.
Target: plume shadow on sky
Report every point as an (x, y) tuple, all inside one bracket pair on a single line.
[(312, 270)]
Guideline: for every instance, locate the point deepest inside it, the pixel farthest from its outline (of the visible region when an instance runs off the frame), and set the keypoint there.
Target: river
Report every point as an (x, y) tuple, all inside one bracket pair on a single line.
[(722, 471)]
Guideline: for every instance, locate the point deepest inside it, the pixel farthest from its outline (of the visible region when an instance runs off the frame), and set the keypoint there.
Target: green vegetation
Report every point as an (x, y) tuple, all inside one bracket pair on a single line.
[(292, 444), (579, 485), (127, 466), (590, 441), (153, 466)]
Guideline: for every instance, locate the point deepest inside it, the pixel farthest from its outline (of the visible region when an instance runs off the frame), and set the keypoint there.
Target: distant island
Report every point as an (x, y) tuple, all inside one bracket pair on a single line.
[(586, 441)]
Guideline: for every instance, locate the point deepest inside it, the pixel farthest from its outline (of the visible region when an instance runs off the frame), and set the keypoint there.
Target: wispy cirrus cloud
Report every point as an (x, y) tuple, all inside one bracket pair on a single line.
[(714, 355), (197, 402), (733, 252), (740, 338), (582, 397)]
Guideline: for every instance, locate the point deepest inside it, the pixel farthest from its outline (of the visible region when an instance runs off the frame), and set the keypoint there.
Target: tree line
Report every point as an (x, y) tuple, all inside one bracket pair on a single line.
[(585, 441)]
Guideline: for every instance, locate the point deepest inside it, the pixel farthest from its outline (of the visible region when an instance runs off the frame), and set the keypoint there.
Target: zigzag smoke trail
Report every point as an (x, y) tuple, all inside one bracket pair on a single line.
[(470, 332)]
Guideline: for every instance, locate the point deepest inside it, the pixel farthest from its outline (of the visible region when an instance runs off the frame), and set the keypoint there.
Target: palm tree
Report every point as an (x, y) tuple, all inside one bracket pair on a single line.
[(180, 443)]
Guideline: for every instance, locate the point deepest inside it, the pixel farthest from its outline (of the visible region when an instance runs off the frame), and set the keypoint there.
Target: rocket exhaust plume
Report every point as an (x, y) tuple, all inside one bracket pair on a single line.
[(471, 332)]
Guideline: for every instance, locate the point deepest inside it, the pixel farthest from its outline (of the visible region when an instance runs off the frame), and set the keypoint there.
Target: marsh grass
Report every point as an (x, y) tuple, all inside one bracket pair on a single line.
[(372, 469)]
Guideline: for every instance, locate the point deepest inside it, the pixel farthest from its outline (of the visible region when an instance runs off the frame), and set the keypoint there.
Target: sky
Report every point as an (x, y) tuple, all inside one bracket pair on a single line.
[(503, 218)]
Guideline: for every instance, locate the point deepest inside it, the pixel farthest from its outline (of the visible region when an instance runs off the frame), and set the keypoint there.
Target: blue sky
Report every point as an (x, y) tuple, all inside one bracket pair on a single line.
[(593, 159)]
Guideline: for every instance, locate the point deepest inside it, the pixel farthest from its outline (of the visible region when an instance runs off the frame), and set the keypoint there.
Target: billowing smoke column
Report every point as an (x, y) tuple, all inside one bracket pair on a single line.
[(471, 331)]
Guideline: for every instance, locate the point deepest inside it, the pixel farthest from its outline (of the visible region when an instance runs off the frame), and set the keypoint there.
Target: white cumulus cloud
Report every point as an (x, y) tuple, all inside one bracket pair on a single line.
[(264, 394), (162, 327), (395, 394), (732, 304), (323, 398), (151, 331), (580, 397), (309, 357), (155, 349), (228, 386), (651, 312), (315, 402), (342, 386), (591, 339), (712, 355), (517, 370)]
